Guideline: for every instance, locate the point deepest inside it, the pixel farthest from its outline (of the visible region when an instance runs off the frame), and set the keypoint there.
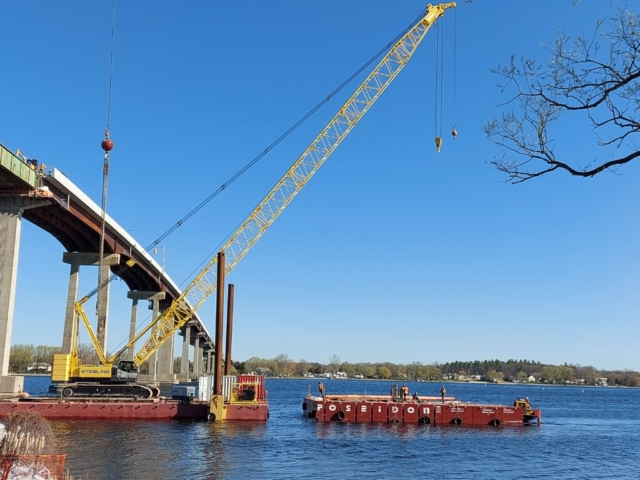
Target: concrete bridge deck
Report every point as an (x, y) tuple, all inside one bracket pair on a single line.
[(52, 202)]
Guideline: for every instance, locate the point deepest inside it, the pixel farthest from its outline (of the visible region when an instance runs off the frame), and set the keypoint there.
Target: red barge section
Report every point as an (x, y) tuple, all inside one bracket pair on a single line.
[(106, 409), (424, 410), (156, 409), (243, 398)]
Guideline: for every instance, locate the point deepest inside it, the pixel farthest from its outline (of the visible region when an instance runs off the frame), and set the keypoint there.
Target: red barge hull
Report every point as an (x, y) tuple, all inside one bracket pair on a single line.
[(427, 410), (159, 409)]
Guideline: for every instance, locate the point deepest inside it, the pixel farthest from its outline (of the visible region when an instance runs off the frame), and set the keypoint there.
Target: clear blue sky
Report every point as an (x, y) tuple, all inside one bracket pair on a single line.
[(391, 252)]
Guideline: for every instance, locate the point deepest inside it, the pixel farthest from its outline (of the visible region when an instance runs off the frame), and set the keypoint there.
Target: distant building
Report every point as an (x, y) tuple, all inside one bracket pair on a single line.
[(531, 379), (39, 367), (602, 382)]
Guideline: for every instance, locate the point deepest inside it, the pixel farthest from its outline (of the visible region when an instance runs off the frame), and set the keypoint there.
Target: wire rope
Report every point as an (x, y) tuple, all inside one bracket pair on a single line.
[(442, 39), (264, 152), (435, 90), (455, 52), (105, 170)]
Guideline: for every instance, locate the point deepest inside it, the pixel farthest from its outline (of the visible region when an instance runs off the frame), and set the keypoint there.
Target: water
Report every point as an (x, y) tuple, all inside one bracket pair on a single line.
[(586, 433)]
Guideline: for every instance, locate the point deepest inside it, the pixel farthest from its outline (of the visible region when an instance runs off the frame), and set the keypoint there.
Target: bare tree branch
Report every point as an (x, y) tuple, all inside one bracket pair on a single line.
[(580, 78)]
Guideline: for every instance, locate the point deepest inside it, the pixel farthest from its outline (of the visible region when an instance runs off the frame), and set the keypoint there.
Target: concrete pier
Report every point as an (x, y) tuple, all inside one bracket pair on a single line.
[(11, 209), (53, 203), (135, 297), (70, 322), (184, 363)]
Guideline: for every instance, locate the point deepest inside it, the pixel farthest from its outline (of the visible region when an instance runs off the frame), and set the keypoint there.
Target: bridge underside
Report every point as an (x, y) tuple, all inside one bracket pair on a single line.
[(55, 205), (76, 235)]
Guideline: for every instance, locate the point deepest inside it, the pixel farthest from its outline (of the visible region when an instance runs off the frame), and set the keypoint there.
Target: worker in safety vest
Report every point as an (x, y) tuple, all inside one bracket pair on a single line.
[(443, 392), (405, 392)]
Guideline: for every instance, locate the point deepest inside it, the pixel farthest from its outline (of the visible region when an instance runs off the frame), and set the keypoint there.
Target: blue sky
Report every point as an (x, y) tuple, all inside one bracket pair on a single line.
[(391, 252)]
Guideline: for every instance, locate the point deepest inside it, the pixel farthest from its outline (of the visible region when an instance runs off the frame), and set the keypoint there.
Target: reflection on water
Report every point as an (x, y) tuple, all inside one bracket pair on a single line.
[(585, 433), (137, 448)]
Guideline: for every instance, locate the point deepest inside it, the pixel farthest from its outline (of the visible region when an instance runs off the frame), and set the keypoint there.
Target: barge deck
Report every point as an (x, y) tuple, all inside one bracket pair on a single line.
[(244, 397), (131, 409), (424, 410)]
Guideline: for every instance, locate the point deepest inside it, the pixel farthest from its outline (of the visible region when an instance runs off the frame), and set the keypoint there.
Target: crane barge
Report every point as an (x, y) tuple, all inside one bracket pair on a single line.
[(114, 377)]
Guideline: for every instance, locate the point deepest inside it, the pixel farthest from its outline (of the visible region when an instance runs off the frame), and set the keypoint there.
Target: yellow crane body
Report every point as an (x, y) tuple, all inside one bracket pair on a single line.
[(183, 308)]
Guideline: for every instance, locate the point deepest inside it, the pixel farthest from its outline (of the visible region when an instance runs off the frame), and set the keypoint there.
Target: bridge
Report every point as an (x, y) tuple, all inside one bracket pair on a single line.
[(52, 202)]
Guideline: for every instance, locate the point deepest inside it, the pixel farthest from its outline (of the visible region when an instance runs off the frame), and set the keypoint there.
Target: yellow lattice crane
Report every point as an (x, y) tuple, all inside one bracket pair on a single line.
[(67, 368)]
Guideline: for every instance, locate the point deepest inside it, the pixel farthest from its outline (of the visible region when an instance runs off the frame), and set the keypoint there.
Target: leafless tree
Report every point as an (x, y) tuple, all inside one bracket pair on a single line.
[(87, 354), (334, 363), (596, 78), (283, 362)]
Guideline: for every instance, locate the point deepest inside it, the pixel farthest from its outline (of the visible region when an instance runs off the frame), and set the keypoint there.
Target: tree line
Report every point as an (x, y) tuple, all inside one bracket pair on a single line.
[(23, 355), (511, 370), (488, 370)]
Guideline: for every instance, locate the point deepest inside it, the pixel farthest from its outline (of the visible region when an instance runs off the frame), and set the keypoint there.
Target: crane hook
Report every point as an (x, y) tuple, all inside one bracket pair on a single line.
[(454, 132), (438, 143)]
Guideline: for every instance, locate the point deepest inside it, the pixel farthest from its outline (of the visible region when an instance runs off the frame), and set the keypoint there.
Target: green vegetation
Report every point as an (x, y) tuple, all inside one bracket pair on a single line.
[(516, 371), (23, 356), (31, 359)]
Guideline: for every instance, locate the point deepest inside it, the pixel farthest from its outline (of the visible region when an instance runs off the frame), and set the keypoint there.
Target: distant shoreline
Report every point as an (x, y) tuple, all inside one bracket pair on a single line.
[(472, 382)]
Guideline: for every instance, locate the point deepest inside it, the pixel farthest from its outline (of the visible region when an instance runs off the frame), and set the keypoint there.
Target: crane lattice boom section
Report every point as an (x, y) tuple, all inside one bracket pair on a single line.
[(273, 204)]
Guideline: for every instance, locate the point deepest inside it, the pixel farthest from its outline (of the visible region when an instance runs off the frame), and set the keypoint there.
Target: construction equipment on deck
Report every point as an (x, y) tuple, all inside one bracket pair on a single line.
[(110, 372)]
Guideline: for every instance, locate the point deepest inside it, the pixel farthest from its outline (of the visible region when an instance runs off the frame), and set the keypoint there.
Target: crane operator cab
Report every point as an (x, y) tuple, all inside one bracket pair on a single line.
[(126, 370)]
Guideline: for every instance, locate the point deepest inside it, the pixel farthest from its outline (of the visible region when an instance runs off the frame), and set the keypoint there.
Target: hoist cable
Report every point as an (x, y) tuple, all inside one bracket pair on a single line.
[(382, 51), (281, 137), (251, 163), (105, 170), (455, 51), (441, 74), (435, 90), (113, 35)]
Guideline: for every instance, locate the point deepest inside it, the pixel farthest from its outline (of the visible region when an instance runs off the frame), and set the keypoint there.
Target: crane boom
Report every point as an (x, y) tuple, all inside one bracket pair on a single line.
[(260, 219)]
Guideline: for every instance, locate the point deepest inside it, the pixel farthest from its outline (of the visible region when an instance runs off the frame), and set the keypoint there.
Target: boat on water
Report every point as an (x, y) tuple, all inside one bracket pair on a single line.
[(417, 409)]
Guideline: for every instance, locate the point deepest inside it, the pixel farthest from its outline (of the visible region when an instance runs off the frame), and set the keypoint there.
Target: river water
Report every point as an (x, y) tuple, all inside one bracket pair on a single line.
[(586, 433)]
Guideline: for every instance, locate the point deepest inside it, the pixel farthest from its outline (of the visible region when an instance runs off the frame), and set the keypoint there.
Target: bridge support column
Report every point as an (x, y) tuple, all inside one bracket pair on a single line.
[(197, 358), (155, 298), (209, 356), (200, 353), (11, 209), (152, 361), (153, 358), (135, 296), (184, 363), (70, 321), (165, 362)]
